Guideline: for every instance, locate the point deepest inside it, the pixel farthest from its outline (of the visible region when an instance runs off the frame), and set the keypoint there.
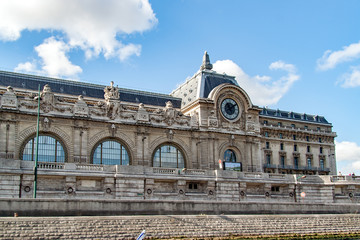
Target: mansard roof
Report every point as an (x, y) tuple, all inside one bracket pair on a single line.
[(32, 82), (202, 83), (293, 116)]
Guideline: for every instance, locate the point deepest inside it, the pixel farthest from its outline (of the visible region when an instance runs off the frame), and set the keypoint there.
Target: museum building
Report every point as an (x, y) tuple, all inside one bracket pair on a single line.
[(204, 141)]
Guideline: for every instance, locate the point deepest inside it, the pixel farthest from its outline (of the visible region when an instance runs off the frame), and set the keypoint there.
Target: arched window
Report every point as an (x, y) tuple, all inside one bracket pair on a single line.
[(229, 156), (110, 152), (50, 150), (168, 156)]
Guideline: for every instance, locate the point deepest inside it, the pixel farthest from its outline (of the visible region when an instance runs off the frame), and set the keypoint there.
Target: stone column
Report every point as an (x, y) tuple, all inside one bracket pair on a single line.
[(80, 145)]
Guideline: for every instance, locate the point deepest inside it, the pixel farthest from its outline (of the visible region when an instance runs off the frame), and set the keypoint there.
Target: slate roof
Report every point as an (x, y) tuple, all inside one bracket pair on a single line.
[(200, 85), (31, 82), (293, 116)]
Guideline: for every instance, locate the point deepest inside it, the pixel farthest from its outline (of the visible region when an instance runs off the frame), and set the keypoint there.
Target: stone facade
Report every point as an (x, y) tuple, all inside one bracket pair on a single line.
[(203, 120)]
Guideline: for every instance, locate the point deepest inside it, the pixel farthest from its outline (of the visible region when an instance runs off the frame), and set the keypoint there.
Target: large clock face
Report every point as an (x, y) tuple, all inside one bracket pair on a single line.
[(229, 108)]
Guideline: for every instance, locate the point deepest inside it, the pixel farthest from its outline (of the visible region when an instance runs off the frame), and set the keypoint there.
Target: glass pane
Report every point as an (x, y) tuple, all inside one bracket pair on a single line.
[(229, 156), (50, 150), (111, 153), (156, 160), (168, 156), (28, 151)]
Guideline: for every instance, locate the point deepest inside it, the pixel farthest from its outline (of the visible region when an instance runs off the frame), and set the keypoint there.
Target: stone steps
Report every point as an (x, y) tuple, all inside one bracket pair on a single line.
[(171, 226)]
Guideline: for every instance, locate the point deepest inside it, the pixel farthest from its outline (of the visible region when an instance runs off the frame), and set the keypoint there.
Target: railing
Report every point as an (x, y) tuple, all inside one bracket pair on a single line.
[(270, 126), (345, 178), (170, 171), (253, 175), (195, 172), (276, 176), (270, 166), (45, 165), (89, 167)]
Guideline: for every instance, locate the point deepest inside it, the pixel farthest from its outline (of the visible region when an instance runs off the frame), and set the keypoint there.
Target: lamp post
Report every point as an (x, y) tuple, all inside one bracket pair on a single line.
[(37, 145)]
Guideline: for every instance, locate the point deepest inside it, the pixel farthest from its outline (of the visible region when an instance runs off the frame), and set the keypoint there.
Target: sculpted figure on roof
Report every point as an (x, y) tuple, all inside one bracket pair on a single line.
[(111, 92)]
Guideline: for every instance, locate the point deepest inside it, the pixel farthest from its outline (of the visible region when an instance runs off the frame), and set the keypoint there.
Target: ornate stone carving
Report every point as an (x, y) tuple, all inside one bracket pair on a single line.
[(45, 123), (169, 113), (194, 121), (48, 101), (170, 116), (113, 109), (251, 125), (170, 134), (81, 109), (111, 92), (112, 129), (212, 120), (9, 100), (142, 114)]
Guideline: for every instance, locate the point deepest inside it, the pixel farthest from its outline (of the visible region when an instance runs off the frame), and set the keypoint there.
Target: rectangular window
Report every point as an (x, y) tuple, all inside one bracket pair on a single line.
[(280, 136), (319, 129), (281, 146), (268, 159), (309, 162), (294, 137), (307, 138), (295, 148), (265, 122), (322, 164), (267, 145), (293, 125), (279, 124), (282, 161), (321, 150), (306, 127), (266, 134), (320, 140), (308, 149), (296, 162)]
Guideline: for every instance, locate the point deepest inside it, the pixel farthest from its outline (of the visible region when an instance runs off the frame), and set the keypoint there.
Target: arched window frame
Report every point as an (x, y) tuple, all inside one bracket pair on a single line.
[(57, 157), (233, 153), (179, 152), (122, 148)]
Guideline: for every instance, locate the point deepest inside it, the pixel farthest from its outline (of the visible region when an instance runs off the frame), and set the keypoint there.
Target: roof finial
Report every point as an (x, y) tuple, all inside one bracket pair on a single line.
[(206, 62)]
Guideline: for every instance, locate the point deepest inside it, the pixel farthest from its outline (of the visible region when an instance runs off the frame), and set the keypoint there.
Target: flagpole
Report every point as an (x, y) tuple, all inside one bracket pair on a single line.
[(37, 145)]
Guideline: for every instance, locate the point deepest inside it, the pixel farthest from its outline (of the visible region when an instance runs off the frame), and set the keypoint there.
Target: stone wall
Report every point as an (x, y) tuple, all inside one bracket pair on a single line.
[(76, 182), (181, 227), (87, 207)]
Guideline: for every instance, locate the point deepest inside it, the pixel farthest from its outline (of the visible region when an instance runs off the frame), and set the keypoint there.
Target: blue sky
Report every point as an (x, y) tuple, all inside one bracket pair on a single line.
[(301, 56)]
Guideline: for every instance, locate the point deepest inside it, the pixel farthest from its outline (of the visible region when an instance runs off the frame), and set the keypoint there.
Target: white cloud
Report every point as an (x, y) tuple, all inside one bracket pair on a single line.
[(261, 89), (91, 25), (351, 79), (348, 157), (30, 67), (54, 60), (332, 58)]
